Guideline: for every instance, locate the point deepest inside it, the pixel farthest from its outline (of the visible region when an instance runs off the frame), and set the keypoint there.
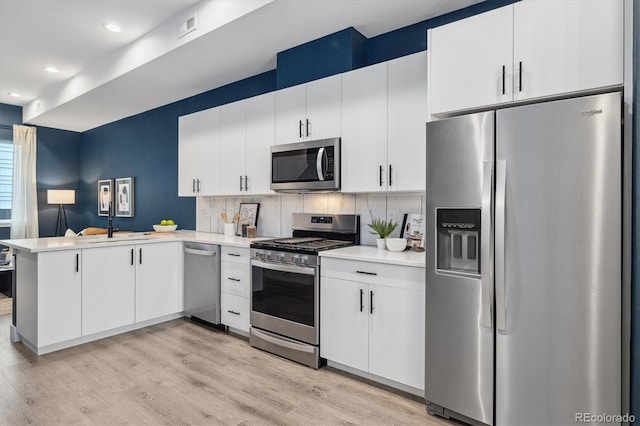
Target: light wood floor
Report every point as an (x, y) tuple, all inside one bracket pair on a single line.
[(181, 373)]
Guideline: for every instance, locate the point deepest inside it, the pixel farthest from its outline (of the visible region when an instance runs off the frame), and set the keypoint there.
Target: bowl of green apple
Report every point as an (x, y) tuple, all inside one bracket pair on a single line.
[(165, 225)]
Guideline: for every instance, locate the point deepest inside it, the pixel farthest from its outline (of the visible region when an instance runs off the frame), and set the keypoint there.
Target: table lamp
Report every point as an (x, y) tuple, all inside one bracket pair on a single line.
[(61, 197)]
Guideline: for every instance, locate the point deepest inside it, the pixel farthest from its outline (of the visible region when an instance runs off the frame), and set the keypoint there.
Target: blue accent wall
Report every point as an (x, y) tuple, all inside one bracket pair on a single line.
[(145, 147), (333, 54), (58, 167)]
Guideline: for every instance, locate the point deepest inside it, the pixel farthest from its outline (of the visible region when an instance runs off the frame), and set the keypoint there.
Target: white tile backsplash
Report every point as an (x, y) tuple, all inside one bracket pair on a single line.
[(274, 219)]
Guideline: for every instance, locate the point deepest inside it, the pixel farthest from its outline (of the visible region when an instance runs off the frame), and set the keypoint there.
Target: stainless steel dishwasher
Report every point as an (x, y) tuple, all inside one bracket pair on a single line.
[(202, 282)]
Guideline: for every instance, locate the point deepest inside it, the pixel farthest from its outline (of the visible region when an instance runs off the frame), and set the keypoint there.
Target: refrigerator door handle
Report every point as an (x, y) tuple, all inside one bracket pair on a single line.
[(486, 249), (500, 241)]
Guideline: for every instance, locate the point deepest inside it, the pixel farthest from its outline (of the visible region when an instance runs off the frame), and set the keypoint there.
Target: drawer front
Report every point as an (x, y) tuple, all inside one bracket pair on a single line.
[(406, 277), (235, 278), (235, 311), (235, 254)]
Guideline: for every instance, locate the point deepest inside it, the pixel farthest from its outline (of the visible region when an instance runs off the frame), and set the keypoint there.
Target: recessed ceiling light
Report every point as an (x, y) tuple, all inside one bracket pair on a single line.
[(15, 95), (113, 28), (51, 69)]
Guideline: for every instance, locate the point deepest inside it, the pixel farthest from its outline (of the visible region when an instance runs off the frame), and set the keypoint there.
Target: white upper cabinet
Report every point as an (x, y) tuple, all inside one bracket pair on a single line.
[(471, 61), (232, 147), (199, 153), (260, 137), (364, 129), (580, 48), (547, 48), (309, 111), (407, 113), (384, 112)]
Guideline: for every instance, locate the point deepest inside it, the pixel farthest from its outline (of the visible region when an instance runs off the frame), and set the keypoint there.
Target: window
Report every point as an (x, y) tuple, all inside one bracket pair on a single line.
[(6, 176)]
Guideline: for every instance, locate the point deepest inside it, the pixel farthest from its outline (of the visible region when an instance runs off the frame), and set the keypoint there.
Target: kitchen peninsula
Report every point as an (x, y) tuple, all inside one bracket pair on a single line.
[(73, 290)]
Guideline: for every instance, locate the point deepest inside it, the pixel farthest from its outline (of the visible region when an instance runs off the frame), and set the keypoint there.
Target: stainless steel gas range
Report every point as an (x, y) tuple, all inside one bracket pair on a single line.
[(285, 281)]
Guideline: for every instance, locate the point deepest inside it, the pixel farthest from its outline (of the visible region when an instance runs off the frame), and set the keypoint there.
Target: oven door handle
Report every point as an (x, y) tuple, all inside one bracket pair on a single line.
[(301, 347), (284, 268)]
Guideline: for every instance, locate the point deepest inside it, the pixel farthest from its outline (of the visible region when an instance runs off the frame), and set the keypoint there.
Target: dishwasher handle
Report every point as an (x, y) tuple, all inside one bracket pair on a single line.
[(200, 252)]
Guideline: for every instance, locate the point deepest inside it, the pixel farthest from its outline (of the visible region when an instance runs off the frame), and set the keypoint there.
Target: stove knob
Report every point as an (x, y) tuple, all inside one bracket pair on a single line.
[(304, 260), (259, 254), (267, 255), (280, 257), (295, 258)]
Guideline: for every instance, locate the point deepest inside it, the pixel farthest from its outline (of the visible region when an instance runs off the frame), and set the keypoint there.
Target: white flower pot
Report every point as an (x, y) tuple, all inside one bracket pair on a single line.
[(382, 243)]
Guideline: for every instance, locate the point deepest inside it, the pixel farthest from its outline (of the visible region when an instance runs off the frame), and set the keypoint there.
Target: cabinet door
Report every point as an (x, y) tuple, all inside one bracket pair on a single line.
[(466, 60), (364, 129), (324, 108), (407, 116), (396, 335), (580, 48), (157, 280), (108, 288), (290, 114), (260, 137), (232, 148), (343, 322), (59, 296), (209, 152), (187, 154)]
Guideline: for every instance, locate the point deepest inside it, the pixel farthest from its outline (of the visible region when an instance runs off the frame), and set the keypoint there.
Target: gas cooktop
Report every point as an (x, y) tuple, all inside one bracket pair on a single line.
[(299, 244)]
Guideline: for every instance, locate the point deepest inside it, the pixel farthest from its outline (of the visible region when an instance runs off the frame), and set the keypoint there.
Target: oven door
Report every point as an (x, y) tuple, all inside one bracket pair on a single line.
[(285, 300)]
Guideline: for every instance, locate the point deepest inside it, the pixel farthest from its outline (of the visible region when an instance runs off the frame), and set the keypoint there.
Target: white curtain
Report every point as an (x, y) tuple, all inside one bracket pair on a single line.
[(24, 208)]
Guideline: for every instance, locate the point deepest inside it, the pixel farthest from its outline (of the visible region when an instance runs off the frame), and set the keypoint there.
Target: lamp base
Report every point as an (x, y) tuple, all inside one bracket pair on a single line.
[(61, 214)]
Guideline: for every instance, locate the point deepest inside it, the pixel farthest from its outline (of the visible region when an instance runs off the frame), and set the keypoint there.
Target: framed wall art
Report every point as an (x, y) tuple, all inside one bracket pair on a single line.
[(248, 214), (413, 229), (105, 196), (125, 196)]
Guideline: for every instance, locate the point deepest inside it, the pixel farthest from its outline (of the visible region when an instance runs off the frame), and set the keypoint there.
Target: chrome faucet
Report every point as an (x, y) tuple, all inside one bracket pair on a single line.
[(110, 226)]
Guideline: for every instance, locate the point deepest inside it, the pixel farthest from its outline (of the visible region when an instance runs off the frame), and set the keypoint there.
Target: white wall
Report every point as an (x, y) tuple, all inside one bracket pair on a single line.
[(274, 217)]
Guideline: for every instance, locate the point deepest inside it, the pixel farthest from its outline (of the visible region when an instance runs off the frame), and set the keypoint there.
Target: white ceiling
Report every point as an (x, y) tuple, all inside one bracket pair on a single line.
[(107, 76)]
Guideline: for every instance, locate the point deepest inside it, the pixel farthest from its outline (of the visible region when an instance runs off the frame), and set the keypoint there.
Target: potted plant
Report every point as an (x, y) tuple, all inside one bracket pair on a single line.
[(383, 228)]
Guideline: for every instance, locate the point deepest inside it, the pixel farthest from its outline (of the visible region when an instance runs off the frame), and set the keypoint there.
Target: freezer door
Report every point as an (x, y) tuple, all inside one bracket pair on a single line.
[(558, 260), (459, 329)]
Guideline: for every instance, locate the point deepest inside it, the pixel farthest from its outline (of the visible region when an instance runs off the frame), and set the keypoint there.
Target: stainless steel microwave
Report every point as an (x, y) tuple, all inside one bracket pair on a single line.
[(306, 166)]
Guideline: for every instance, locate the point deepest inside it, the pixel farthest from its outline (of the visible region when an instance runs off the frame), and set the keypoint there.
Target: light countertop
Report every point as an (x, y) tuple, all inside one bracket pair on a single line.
[(35, 245), (374, 254)]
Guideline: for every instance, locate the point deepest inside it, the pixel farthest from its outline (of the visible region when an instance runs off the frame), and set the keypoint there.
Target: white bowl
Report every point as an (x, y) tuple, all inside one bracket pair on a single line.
[(166, 228), (396, 244)]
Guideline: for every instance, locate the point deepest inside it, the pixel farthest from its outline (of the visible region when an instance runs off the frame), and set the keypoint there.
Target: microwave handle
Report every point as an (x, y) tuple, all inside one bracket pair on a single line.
[(319, 163)]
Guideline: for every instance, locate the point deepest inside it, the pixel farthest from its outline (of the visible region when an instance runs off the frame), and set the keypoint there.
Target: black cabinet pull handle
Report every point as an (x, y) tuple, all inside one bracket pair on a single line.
[(233, 254), (198, 185), (140, 256), (361, 300), (77, 262), (380, 175), (246, 183), (300, 128), (308, 134), (131, 257), (240, 183), (367, 273), (504, 71), (233, 279), (390, 181), (371, 302), (233, 312), (194, 185), (520, 76)]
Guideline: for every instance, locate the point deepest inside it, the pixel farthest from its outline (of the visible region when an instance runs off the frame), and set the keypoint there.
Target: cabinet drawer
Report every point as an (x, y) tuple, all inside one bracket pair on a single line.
[(235, 311), (407, 277), (235, 278), (235, 254)]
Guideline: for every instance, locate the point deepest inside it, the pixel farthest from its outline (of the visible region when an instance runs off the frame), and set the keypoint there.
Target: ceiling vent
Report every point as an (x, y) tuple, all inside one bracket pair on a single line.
[(185, 27)]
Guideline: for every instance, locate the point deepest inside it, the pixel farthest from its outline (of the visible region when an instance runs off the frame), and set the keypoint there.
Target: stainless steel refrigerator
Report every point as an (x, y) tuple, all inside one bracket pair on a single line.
[(524, 263)]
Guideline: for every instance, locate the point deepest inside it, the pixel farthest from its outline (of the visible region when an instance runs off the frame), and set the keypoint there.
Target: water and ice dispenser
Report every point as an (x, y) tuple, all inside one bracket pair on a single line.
[(458, 240)]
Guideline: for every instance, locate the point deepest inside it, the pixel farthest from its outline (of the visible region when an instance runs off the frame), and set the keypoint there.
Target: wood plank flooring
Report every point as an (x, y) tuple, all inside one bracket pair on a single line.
[(180, 373)]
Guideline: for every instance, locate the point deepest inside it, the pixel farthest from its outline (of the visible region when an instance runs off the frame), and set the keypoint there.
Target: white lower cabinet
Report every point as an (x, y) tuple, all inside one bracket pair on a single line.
[(108, 288), (372, 319), (158, 281), (235, 293)]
